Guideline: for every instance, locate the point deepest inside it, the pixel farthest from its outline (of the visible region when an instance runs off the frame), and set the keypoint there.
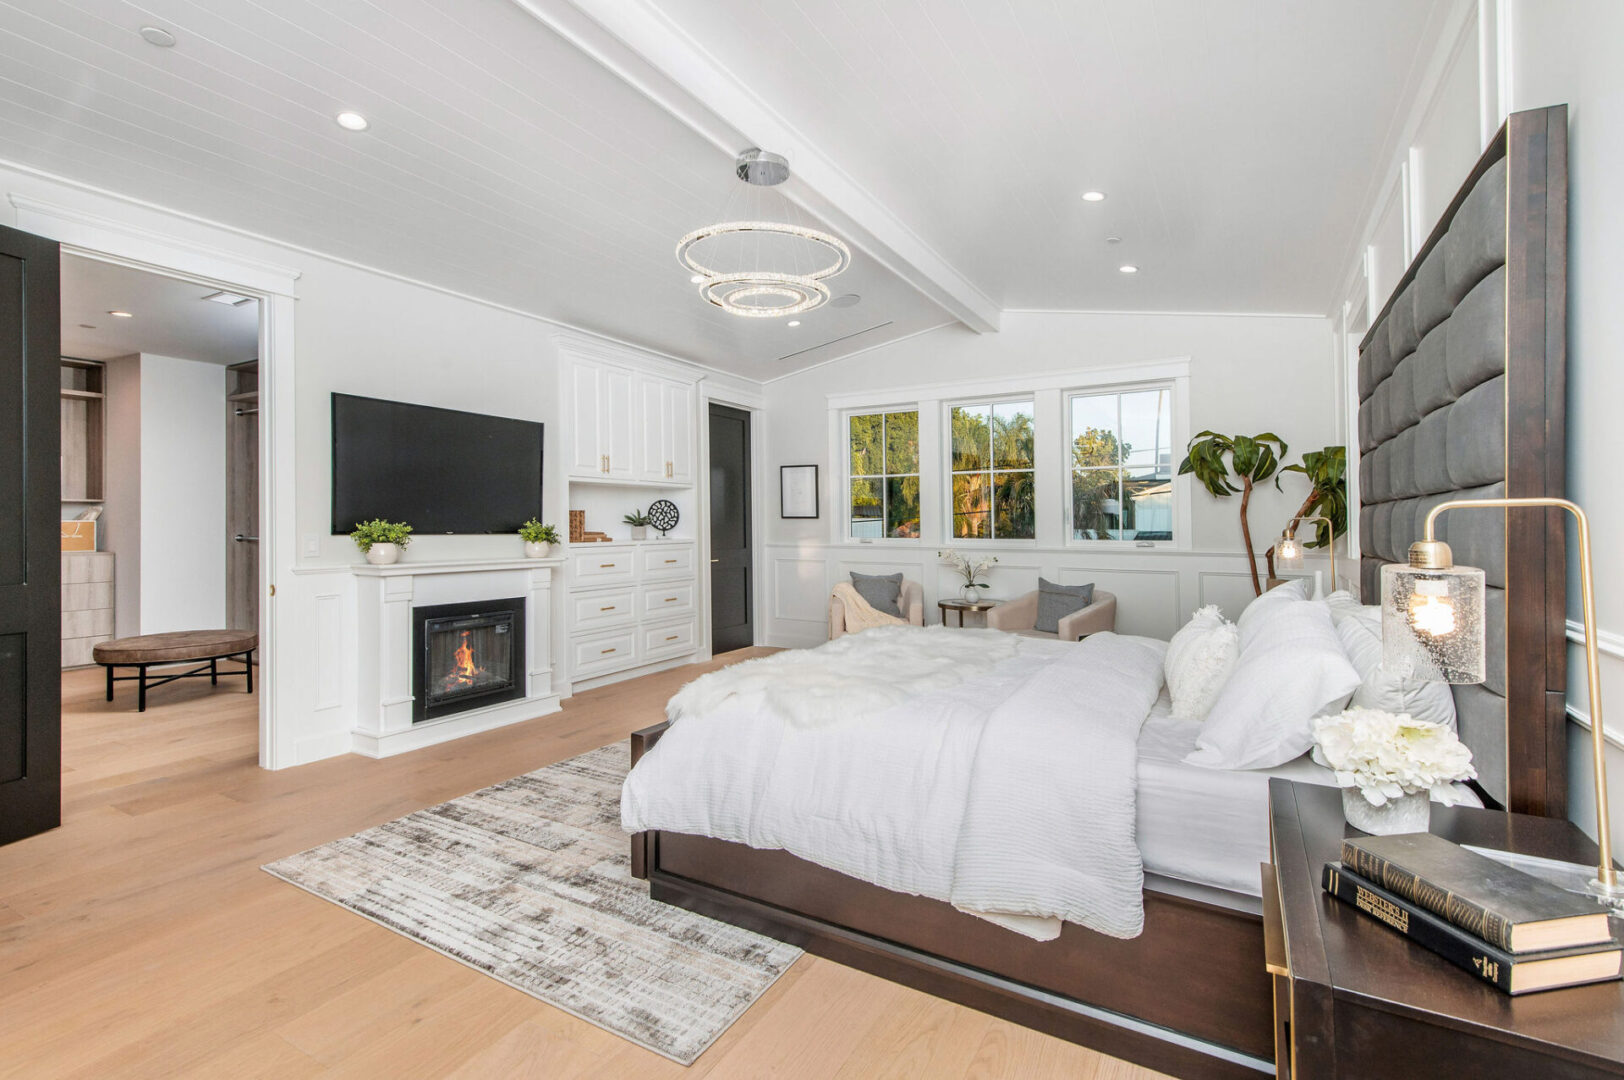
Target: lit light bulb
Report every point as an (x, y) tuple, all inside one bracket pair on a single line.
[(1432, 612), (1290, 550)]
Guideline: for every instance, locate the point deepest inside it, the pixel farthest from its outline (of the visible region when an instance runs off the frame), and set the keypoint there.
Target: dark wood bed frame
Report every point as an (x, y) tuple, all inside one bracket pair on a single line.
[(1190, 996)]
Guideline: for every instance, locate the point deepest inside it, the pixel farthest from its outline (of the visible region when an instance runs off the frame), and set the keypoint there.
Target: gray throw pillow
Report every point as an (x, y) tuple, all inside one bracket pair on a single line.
[(1055, 602), (880, 590)]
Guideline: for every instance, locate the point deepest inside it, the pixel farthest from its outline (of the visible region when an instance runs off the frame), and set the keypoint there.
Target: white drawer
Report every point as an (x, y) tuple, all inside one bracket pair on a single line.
[(604, 652), (601, 610), (670, 640), (666, 601), (665, 561), (588, 568)]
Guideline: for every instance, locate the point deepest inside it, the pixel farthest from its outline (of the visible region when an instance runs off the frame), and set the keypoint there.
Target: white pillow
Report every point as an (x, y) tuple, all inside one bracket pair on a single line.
[(1293, 670), (1344, 604), (1198, 662), (1265, 607), (1361, 636)]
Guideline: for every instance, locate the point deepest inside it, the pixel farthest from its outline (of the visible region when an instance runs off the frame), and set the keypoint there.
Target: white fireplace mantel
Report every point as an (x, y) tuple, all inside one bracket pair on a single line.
[(385, 597)]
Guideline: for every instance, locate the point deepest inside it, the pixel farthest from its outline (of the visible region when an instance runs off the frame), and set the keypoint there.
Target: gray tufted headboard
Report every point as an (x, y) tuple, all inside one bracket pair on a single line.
[(1461, 384)]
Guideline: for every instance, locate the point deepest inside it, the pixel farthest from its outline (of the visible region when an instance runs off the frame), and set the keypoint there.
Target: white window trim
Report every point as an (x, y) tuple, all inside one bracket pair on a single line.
[(1178, 435), (935, 471), (945, 459), (840, 445)]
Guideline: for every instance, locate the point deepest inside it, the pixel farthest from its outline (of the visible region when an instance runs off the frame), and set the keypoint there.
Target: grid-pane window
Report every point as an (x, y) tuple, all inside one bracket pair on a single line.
[(884, 475), (994, 493), (1122, 465)]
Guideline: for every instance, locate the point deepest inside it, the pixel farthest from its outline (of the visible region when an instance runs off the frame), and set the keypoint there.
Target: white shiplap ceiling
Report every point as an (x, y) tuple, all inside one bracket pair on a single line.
[(167, 316), (1236, 140), (502, 162)]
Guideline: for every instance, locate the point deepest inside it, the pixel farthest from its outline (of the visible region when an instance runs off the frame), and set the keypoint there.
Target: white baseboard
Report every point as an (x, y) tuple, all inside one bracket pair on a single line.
[(373, 745)]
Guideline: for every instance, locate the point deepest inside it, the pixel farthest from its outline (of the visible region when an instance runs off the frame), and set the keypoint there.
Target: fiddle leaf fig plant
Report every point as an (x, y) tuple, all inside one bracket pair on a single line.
[(1252, 459)]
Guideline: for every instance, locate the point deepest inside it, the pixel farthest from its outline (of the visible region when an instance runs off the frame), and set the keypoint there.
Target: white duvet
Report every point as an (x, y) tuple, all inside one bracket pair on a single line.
[(992, 772)]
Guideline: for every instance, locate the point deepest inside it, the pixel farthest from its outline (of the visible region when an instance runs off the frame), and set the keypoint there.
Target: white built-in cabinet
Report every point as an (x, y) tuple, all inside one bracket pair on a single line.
[(628, 425), (631, 605)]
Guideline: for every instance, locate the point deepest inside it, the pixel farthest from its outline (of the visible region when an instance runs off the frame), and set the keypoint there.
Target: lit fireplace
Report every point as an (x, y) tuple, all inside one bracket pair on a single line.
[(467, 656)]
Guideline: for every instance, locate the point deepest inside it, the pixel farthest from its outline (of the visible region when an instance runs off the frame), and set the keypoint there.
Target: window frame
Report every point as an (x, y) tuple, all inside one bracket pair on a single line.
[(847, 476), (945, 460), (1176, 387)]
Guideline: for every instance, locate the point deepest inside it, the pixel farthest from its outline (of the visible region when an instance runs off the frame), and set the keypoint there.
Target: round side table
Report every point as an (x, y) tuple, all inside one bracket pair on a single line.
[(961, 606)]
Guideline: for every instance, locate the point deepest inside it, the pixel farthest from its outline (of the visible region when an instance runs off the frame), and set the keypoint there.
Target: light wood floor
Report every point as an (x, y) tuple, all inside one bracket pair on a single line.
[(141, 939)]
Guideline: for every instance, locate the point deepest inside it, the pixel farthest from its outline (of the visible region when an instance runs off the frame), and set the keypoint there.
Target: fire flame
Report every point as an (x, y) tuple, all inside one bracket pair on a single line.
[(465, 671)]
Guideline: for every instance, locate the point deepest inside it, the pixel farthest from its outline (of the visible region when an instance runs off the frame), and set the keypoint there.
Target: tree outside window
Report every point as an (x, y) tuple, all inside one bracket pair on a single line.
[(1122, 465), (884, 475), (994, 488)]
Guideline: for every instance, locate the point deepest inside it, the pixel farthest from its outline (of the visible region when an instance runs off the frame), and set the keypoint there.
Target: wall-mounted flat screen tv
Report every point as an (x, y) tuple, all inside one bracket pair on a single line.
[(438, 470)]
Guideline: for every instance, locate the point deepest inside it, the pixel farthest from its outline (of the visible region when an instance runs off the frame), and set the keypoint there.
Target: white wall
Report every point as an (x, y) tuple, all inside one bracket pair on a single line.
[(1568, 51), (119, 530), (1248, 374), (183, 494)]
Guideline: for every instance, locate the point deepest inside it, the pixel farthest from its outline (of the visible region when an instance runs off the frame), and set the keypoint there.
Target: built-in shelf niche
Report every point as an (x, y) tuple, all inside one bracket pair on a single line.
[(84, 420)]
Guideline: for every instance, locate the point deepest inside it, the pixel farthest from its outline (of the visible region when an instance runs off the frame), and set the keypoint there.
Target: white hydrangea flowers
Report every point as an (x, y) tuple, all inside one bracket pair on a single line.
[(1386, 755)]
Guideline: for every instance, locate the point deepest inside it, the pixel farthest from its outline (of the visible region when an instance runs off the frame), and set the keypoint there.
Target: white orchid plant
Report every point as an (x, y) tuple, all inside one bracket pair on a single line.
[(970, 570), (1386, 755)]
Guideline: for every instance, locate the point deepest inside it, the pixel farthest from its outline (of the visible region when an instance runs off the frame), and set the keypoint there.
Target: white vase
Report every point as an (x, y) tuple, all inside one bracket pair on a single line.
[(1405, 814), (971, 594), (383, 554), (639, 532), (537, 549)]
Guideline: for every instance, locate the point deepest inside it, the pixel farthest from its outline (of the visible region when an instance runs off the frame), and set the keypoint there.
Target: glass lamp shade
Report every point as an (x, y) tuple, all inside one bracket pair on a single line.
[(1290, 551), (1433, 624)]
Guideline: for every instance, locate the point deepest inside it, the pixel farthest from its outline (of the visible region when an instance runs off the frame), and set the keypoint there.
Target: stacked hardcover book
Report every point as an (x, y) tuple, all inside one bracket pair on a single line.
[(1508, 928)]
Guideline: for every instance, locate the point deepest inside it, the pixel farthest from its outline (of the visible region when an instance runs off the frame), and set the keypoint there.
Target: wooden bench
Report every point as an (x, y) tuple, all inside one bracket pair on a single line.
[(179, 647)]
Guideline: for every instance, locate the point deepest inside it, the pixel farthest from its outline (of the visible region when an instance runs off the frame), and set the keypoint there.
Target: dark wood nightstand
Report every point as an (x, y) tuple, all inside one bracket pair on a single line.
[(1355, 1000)]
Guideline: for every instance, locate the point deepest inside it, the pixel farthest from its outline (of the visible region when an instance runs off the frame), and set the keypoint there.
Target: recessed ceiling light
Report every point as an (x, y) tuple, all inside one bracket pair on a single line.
[(352, 121), (793, 322), (848, 300), (697, 279), (157, 35), (1093, 196), (230, 299), (1128, 268), (121, 314), (1113, 239)]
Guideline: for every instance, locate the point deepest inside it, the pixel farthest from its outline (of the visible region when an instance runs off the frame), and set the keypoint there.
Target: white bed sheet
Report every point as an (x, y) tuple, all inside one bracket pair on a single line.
[(1207, 826)]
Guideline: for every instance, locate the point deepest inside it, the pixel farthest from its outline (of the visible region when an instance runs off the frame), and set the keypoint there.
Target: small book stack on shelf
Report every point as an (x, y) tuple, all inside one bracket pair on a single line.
[(1508, 928)]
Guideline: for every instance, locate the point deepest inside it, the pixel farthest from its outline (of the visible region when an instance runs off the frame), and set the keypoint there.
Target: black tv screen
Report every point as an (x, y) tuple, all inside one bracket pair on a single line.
[(438, 470)]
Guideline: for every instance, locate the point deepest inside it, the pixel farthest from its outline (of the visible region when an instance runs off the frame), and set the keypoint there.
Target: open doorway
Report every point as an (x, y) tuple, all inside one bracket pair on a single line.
[(160, 495)]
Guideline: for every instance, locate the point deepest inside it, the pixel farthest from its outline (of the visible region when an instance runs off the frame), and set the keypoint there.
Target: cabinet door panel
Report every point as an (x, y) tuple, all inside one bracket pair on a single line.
[(678, 409), (616, 412), (651, 429), (586, 455)]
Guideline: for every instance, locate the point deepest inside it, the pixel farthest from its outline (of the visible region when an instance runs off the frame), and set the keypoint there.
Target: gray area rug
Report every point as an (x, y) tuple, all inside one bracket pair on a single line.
[(530, 882)]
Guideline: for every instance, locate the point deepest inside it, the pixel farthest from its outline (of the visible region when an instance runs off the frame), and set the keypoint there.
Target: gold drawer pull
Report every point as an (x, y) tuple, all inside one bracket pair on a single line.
[(668, 562), (673, 637), (605, 652), (671, 599), (611, 607), (606, 566)]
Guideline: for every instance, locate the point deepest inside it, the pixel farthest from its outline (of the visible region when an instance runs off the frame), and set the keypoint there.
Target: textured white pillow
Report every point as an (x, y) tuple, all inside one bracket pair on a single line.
[(1361, 636), (1265, 607), (1293, 670), (1344, 604), (1198, 662)]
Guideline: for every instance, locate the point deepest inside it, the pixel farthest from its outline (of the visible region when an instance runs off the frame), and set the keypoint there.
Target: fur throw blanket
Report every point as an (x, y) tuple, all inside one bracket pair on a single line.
[(860, 614)]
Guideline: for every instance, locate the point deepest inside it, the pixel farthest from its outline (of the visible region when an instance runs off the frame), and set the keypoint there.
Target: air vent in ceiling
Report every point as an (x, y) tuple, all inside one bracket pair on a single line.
[(832, 341)]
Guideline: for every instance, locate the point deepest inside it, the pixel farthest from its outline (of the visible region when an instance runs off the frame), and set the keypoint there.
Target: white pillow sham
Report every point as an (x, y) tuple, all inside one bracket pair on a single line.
[(1199, 661), (1260, 611), (1291, 671), (1361, 635)]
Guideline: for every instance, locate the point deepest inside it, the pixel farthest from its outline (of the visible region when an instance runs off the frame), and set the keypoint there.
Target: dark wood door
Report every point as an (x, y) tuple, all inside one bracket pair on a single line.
[(30, 548), (730, 529)]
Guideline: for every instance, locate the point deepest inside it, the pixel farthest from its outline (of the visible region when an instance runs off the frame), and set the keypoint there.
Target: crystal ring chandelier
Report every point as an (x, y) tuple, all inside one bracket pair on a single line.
[(762, 276)]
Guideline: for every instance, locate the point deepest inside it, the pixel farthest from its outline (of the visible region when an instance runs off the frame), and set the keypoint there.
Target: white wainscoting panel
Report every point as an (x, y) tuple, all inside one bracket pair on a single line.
[(331, 656)]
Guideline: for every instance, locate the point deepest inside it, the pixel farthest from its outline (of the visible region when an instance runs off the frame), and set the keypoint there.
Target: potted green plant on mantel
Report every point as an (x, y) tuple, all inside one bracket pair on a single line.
[(639, 523), (538, 539), (1254, 458), (382, 541)]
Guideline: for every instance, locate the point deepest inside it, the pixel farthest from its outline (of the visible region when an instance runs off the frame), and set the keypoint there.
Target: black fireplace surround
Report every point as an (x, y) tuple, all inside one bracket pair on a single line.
[(466, 656)]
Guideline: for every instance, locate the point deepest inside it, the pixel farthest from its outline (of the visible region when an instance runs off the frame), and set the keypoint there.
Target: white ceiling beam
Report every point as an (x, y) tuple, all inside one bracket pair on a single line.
[(641, 45)]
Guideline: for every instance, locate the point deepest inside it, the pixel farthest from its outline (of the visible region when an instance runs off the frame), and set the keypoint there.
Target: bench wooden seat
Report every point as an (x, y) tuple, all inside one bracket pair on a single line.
[(177, 647)]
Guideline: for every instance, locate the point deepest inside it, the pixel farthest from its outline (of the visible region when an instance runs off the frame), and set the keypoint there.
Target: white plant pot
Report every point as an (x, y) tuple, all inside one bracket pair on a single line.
[(972, 594), (639, 532), (537, 549), (383, 554), (1405, 814)]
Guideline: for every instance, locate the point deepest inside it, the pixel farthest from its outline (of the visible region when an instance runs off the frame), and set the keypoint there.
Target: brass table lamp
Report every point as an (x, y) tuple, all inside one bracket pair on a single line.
[(1289, 552), (1433, 627)]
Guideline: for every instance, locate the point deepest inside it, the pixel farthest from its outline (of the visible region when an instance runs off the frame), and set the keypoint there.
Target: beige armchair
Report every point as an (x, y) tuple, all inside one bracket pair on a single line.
[(1018, 617), (911, 600)]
